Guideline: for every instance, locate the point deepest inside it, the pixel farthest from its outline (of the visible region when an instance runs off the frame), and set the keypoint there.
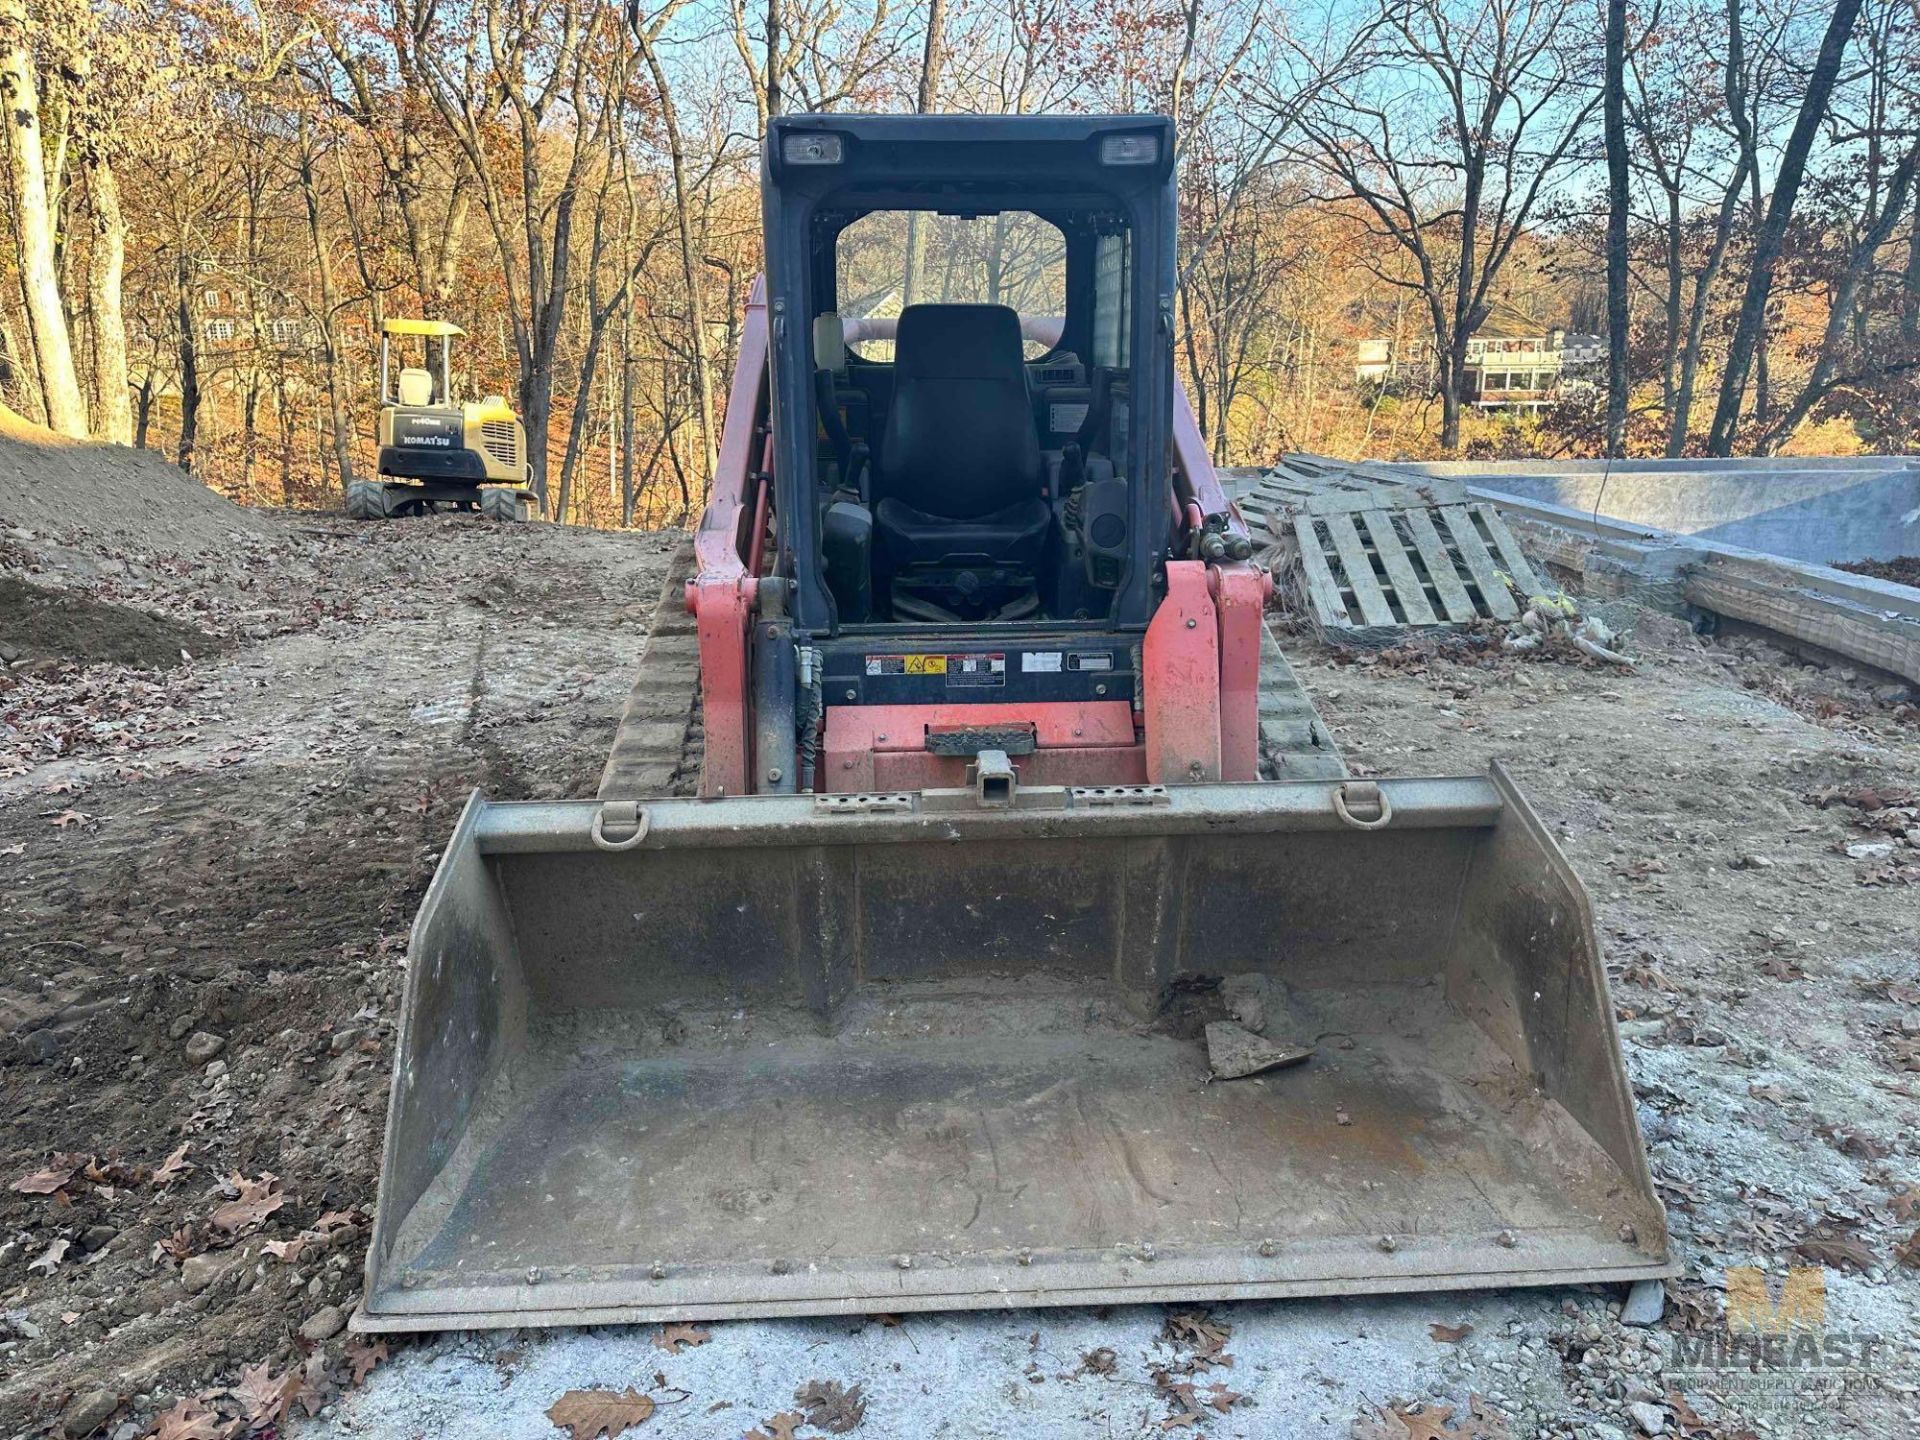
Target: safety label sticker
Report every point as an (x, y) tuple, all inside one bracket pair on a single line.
[(960, 670), (1044, 662), (1084, 660)]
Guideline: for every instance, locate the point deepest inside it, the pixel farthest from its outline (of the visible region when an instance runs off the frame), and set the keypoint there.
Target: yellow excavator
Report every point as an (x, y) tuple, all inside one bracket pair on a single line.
[(436, 451)]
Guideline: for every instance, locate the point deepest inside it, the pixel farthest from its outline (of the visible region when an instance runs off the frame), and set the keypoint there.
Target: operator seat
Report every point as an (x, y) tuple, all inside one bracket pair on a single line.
[(959, 477)]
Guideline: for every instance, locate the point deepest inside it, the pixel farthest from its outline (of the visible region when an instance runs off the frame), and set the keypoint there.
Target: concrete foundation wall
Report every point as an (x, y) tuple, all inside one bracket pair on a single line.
[(1827, 511)]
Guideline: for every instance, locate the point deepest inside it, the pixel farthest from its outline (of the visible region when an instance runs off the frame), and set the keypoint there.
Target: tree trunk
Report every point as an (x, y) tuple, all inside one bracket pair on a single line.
[(339, 421), (113, 413), (189, 342), (1614, 124), (143, 409), (1453, 370), (1773, 231), (689, 269), (34, 227), (932, 56), (1845, 300), (1676, 290)]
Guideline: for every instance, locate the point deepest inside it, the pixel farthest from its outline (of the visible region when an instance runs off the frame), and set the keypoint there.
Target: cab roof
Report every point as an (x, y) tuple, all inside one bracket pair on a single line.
[(435, 328)]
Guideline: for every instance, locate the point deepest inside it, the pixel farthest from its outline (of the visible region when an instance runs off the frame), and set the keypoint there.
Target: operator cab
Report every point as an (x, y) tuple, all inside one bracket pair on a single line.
[(970, 335)]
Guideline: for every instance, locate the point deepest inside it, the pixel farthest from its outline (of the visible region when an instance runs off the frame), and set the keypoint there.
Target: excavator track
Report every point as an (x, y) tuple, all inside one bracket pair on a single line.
[(657, 748)]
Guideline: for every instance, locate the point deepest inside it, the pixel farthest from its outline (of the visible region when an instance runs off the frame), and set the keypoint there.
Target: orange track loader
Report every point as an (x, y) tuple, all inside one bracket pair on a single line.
[(1007, 809)]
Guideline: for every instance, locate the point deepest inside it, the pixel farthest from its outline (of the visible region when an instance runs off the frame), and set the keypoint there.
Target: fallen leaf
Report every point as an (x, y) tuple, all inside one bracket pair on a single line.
[(45, 1182), (50, 1259), (675, 1338), (588, 1414), (1907, 1251), (1839, 1251), (830, 1406), (264, 1397), (1223, 1399), (173, 1167), (285, 1251), (187, 1420), (1184, 1421), (258, 1199), (1202, 1334), (13, 849), (1905, 1202), (362, 1357), (68, 818), (1102, 1361), (779, 1427), (1449, 1334), (316, 1385), (1431, 1422)]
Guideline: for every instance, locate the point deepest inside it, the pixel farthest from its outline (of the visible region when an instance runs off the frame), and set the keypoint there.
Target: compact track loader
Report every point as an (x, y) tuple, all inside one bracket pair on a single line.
[(1014, 839), (436, 451)]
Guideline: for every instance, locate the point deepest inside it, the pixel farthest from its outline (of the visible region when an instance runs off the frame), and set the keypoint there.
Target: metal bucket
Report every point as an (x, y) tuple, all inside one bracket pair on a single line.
[(788, 1056)]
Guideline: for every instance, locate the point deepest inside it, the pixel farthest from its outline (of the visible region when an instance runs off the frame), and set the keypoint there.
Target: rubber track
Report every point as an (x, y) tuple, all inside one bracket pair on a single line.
[(657, 749)]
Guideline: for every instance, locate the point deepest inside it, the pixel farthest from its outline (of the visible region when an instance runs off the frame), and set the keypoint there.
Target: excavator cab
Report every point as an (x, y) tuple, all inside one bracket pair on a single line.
[(1027, 941)]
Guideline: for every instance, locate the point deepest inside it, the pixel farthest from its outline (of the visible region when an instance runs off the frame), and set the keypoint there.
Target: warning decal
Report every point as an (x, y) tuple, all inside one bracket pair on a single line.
[(976, 670), (906, 664), (959, 670)]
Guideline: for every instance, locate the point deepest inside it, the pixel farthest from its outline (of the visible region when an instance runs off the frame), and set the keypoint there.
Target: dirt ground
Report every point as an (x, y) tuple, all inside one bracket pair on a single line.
[(1902, 569), (207, 868)]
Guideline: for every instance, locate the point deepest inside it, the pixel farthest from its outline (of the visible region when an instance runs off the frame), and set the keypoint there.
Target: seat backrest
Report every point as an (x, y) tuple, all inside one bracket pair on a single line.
[(416, 387), (959, 441)]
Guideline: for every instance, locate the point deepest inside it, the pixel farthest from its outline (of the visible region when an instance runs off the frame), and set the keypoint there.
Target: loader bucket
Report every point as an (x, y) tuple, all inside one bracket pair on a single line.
[(795, 1056)]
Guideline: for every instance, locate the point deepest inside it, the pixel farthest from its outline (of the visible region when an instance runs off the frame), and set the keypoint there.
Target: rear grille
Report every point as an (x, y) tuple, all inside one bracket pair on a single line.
[(500, 441)]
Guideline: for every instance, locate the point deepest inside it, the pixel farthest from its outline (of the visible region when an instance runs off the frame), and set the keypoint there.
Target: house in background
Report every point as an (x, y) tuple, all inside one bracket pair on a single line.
[(1513, 361)]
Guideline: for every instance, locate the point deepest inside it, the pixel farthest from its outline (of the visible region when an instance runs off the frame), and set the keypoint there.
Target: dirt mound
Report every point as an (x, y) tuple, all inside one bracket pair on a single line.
[(37, 624), (92, 496), (1901, 570)]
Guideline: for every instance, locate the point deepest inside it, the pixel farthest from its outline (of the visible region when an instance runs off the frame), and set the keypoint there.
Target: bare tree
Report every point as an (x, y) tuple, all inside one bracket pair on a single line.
[(1773, 229), (1614, 126), (35, 225), (1457, 124)]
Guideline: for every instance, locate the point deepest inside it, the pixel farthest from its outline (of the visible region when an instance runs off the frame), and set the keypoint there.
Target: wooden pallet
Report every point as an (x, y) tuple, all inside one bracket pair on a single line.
[(1370, 575), (1270, 498)]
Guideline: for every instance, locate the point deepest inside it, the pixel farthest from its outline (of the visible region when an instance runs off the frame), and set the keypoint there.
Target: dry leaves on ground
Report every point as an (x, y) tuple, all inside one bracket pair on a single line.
[(264, 1397), (1842, 1252), (55, 1176), (363, 1357), (189, 1420), (675, 1338), (830, 1406), (778, 1427), (1203, 1335), (1449, 1334), (1432, 1422), (589, 1414), (257, 1200), (173, 1167), (51, 1257), (1102, 1361)]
